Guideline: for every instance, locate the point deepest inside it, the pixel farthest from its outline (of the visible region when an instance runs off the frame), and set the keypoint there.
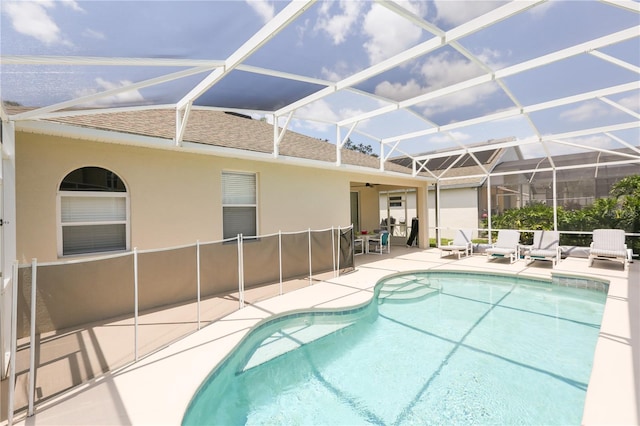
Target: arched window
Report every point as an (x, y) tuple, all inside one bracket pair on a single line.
[(93, 207)]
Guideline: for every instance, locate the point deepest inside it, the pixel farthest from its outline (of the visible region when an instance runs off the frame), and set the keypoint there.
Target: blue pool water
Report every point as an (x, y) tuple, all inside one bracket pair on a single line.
[(431, 348)]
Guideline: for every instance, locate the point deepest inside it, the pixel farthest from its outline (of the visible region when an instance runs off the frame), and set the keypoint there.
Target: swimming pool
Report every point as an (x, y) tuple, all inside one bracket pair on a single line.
[(431, 348)]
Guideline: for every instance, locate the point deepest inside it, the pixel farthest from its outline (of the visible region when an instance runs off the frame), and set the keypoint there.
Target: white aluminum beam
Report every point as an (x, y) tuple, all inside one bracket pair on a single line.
[(632, 6), (594, 148), (512, 70), (527, 141), (578, 49), (463, 30), (106, 61), (621, 108), (616, 61), (623, 142), (38, 112), (266, 33), (9, 240), (517, 111)]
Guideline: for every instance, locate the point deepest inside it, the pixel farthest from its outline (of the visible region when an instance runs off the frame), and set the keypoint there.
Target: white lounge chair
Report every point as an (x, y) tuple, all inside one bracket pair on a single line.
[(546, 246), (608, 244), (505, 246), (461, 244)]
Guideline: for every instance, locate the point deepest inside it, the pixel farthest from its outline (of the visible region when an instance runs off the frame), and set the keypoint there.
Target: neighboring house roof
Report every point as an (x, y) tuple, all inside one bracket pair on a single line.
[(464, 173), (222, 129)]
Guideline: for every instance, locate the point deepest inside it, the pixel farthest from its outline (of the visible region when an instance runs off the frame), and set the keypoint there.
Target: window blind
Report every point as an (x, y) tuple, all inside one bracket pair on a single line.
[(93, 209), (238, 188), (239, 212)]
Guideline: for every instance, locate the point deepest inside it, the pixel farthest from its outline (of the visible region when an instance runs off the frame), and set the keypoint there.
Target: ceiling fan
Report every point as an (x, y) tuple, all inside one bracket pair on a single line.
[(366, 185)]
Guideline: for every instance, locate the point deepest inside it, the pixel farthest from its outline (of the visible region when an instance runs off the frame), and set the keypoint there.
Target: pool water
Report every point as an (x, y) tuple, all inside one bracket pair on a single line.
[(431, 348)]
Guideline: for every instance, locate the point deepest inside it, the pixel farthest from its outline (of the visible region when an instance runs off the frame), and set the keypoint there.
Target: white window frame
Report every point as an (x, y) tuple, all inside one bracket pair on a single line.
[(254, 205), (91, 194)]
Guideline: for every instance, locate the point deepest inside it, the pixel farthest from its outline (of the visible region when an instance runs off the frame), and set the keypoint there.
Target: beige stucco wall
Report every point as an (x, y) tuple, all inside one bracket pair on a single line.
[(175, 197)]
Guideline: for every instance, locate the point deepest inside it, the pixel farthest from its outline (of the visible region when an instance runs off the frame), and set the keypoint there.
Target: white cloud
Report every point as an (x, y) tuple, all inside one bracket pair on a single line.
[(449, 137), (320, 110), (340, 70), (399, 91), (441, 71), (388, 33), (594, 141), (339, 25), (585, 111), (128, 97), (262, 8), (541, 9), (89, 33), (458, 12), (32, 19), (632, 102)]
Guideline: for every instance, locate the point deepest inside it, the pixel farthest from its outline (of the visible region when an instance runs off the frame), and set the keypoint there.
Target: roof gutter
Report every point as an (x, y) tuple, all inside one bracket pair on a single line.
[(130, 139)]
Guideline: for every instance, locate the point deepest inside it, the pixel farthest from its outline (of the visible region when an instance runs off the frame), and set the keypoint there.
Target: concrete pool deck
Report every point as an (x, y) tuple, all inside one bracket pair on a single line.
[(158, 388)]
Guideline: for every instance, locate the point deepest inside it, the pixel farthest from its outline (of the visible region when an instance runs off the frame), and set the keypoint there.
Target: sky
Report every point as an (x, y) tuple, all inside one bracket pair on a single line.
[(329, 42)]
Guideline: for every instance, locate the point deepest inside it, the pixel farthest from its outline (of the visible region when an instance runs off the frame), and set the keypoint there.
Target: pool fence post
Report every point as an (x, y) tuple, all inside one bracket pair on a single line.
[(333, 250), (135, 304), (198, 279), (32, 340), (489, 209), (280, 257), (240, 273), (14, 340), (338, 254), (310, 268)]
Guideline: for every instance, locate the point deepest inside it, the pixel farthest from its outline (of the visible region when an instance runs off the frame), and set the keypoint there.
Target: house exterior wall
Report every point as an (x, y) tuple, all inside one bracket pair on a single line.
[(458, 210), (175, 197)]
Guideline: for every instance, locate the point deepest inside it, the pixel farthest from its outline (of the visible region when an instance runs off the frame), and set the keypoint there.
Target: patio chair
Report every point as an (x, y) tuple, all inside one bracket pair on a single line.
[(358, 246), (505, 246), (380, 243), (608, 244), (546, 246), (461, 244)]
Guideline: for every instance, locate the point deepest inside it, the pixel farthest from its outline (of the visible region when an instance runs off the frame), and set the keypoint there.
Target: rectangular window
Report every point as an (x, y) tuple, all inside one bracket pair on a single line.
[(93, 223), (239, 204)]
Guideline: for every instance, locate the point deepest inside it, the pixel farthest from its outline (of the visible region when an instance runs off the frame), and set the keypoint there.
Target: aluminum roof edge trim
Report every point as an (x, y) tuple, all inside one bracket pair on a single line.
[(105, 136)]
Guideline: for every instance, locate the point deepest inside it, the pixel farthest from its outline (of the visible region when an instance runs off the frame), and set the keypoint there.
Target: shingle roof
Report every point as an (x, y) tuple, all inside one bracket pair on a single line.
[(221, 129)]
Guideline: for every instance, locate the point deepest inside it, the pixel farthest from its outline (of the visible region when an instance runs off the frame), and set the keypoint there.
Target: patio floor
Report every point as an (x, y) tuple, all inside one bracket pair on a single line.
[(158, 388)]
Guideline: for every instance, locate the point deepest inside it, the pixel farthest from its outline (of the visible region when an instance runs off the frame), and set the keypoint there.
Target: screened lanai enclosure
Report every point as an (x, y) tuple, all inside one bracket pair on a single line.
[(491, 107)]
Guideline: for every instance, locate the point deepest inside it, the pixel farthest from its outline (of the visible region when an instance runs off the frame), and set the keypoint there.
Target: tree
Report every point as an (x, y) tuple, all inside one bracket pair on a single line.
[(365, 149), (627, 192)]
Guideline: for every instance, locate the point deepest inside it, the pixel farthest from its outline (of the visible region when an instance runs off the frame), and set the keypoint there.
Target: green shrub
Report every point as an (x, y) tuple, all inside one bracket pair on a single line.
[(621, 210)]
